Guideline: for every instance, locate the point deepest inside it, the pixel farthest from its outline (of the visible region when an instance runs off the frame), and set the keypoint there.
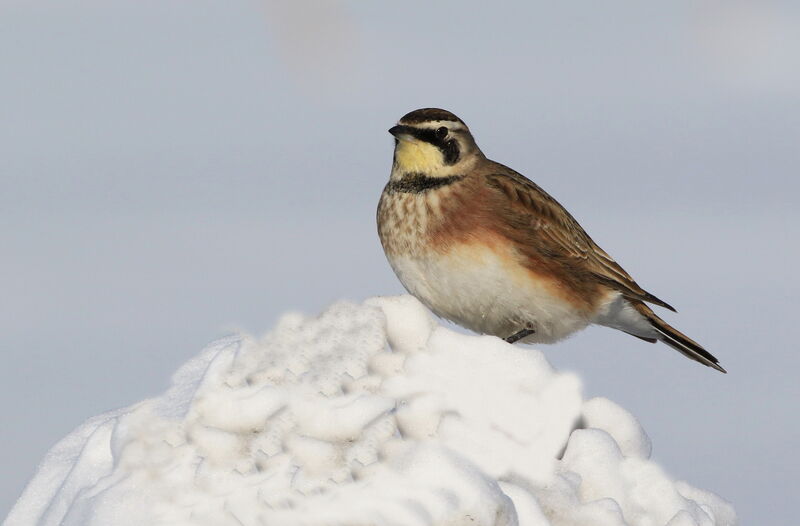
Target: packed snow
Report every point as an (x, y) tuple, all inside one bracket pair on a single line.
[(369, 414)]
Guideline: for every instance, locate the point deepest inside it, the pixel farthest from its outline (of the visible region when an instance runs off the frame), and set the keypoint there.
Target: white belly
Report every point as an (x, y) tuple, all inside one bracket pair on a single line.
[(477, 288)]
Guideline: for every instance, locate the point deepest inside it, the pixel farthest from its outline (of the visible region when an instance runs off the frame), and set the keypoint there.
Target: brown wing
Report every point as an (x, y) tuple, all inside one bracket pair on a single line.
[(538, 221)]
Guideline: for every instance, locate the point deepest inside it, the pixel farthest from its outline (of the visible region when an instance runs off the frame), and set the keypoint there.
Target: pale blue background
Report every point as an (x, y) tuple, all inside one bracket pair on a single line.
[(173, 169)]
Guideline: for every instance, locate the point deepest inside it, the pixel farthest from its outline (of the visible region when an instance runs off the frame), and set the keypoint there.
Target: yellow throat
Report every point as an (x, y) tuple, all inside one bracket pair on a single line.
[(418, 156)]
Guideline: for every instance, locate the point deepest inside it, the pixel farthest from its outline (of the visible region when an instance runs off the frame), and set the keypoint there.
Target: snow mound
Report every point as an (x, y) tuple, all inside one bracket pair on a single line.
[(366, 415)]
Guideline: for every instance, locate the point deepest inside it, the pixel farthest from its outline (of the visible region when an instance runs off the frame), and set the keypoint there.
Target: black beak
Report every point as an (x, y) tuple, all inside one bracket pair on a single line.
[(400, 130)]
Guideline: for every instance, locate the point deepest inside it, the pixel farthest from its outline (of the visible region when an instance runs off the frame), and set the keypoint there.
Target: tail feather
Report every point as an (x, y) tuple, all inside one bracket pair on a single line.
[(677, 340)]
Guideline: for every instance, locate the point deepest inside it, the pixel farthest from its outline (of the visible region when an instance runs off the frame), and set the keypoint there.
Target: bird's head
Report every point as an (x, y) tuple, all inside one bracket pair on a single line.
[(433, 142)]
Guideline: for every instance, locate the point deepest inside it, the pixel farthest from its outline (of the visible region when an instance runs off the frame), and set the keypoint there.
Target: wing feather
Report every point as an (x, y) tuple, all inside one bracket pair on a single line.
[(542, 221)]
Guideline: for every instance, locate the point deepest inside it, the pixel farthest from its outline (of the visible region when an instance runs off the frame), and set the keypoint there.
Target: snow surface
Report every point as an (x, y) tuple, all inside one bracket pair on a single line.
[(366, 415)]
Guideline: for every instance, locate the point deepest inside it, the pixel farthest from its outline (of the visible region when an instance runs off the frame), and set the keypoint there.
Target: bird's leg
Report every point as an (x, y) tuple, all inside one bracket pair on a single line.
[(517, 336)]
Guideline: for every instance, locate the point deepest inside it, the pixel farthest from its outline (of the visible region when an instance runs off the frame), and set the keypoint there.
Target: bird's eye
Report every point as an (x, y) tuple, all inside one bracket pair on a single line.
[(441, 132)]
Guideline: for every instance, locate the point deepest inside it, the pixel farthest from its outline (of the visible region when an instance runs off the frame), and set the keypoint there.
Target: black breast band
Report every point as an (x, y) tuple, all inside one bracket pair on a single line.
[(415, 183)]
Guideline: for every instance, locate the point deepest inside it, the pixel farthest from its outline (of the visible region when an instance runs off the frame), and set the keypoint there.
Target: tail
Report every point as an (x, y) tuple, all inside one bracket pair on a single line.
[(677, 340)]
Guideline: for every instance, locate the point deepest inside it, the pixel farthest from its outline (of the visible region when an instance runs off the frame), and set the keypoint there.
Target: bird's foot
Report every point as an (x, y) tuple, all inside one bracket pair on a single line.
[(517, 336)]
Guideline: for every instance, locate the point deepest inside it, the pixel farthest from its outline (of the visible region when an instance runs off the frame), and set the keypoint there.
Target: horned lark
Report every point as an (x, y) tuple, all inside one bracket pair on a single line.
[(485, 247)]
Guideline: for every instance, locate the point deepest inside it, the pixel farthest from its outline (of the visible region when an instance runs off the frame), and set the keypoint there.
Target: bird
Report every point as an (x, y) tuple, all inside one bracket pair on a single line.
[(485, 247)]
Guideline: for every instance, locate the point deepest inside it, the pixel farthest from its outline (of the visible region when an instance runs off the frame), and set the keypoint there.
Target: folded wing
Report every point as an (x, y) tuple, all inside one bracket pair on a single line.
[(538, 221)]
